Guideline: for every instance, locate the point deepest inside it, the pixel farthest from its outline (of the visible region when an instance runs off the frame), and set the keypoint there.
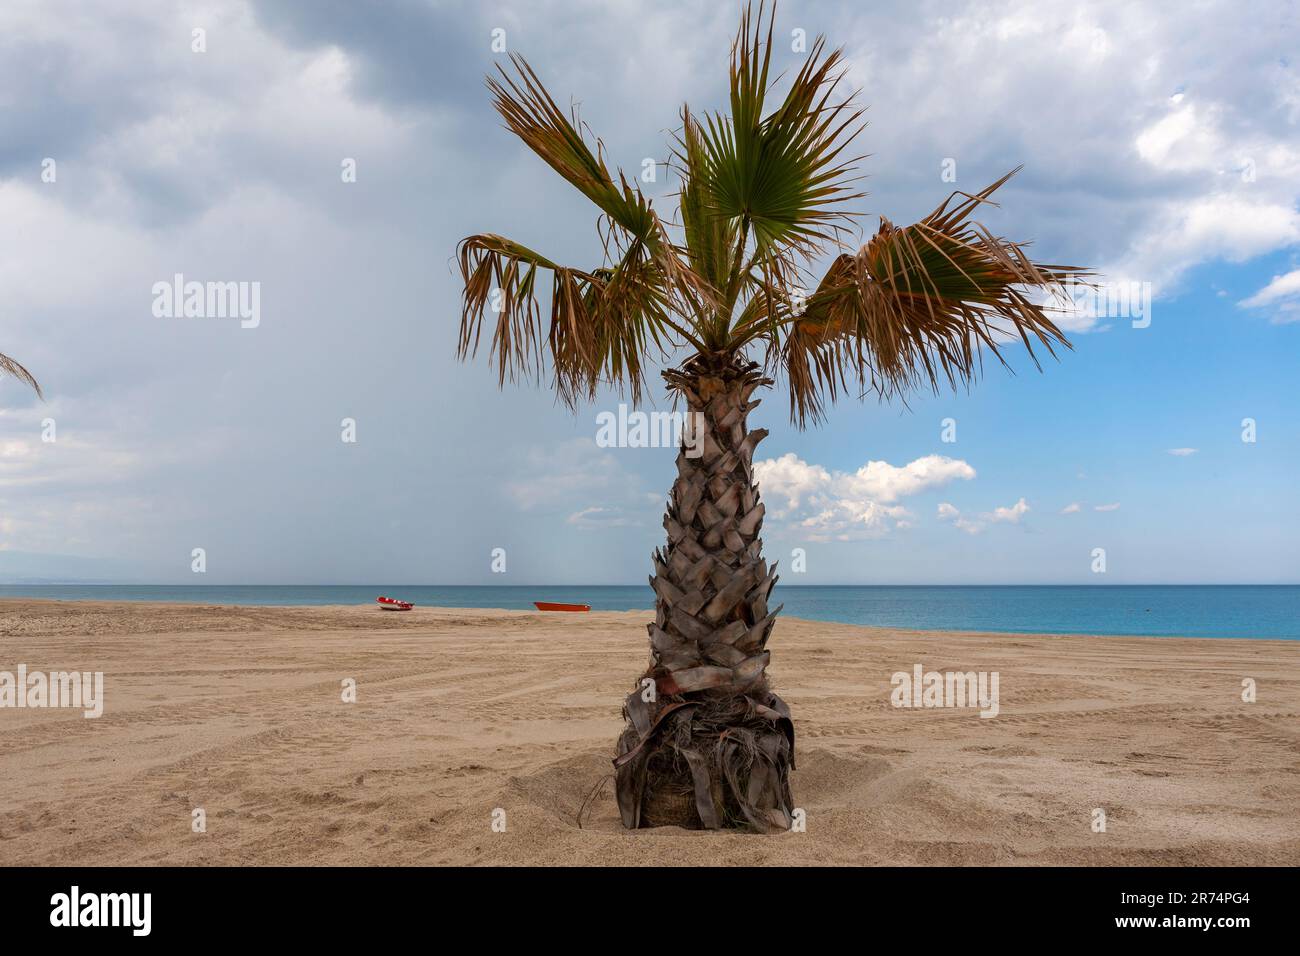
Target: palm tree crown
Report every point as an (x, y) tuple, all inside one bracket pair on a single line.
[(761, 201)]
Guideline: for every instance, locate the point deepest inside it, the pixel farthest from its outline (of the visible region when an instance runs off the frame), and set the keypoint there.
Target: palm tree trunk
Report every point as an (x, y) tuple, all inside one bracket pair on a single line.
[(707, 743)]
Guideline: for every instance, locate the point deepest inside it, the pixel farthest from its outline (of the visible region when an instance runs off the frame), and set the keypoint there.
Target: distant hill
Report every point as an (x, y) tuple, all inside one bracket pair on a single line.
[(27, 568)]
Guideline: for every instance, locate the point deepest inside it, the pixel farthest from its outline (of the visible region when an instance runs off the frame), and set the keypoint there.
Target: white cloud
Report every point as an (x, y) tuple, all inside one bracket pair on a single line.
[(1218, 225), (886, 482), (838, 505), (1284, 292), (1007, 515), (1011, 515), (596, 517), (1072, 508), (1179, 141), (1183, 452), (791, 478), (948, 513), (556, 475), (1110, 507), (1285, 285)]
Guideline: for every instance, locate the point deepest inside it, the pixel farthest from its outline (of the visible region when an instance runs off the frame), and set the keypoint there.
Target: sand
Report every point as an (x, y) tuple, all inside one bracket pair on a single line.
[(463, 713)]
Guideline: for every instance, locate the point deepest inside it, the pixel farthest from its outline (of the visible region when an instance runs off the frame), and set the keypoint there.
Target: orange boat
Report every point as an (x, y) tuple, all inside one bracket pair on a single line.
[(549, 606)]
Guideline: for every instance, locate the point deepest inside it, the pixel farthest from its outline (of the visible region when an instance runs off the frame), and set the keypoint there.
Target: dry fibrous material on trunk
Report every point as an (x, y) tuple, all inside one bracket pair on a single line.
[(717, 293)]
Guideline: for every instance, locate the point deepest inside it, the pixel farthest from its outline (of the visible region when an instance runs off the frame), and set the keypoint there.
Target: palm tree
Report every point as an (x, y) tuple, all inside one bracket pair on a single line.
[(9, 367), (707, 743)]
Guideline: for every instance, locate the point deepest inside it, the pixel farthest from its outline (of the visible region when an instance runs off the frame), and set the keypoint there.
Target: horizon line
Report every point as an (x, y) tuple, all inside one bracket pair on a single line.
[(1058, 584)]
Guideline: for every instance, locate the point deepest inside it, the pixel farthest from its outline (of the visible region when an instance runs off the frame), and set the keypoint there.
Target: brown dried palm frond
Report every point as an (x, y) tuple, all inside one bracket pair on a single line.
[(916, 306), (532, 115), (601, 323), (9, 367)]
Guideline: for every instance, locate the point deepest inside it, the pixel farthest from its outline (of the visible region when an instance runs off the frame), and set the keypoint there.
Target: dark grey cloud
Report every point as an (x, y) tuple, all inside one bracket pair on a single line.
[(70, 79), (408, 52)]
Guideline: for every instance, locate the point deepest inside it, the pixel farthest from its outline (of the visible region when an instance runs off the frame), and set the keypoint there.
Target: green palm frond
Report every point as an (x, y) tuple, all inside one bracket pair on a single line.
[(9, 367), (710, 238), (784, 175)]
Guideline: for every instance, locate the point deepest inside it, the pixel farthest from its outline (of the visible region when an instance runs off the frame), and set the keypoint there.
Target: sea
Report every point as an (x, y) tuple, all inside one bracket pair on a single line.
[(1234, 611)]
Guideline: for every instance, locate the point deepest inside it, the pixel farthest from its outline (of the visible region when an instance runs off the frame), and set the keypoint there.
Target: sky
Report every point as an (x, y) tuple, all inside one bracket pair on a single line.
[(1160, 146)]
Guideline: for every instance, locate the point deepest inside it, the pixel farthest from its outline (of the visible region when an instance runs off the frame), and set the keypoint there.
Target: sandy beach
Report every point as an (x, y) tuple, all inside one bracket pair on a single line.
[(238, 711)]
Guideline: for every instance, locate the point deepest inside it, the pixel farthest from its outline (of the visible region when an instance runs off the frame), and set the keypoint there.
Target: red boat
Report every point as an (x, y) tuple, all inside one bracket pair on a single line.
[(392, 604), (549, 606)]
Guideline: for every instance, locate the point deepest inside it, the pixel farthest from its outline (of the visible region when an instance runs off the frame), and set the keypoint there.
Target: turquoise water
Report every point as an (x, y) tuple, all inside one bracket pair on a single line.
[(1155, 610)]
